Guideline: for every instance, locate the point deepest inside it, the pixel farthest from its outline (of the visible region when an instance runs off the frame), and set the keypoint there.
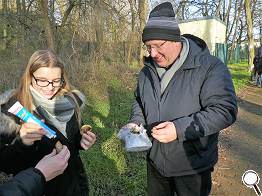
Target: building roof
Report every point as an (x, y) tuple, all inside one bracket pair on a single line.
[(202, 18)]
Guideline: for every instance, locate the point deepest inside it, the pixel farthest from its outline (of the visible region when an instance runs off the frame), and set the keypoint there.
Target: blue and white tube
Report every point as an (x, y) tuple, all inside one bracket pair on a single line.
[(21, 112)]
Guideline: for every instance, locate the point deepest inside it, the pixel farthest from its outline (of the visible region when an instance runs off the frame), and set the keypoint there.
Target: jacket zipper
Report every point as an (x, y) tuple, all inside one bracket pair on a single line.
[(162, 147)]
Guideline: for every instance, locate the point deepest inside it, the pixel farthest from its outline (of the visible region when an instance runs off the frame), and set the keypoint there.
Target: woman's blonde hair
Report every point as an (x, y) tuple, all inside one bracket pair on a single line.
[(42, 58)]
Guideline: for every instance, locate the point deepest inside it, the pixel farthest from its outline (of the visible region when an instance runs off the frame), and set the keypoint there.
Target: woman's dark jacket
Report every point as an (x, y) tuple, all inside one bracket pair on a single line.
[(15, 156), (29, 182), (200, 100)]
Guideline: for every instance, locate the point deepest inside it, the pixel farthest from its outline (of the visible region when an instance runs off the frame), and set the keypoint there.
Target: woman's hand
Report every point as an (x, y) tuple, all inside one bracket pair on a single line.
[(31, 132), (88, 139)]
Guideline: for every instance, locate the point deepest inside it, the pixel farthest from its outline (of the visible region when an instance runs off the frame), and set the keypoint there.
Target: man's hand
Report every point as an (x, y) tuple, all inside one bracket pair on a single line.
[(164, 132), (54, 164)]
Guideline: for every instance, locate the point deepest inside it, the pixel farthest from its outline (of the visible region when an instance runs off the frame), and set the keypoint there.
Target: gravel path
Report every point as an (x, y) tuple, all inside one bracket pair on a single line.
[(240, 147)]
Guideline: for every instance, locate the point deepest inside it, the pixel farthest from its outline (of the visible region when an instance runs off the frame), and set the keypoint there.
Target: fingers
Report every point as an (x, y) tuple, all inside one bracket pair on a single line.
[(65, 166), (31, 132), (65, 153), (67, 156), (159, 131), (88, 139), (90, 136), (85, 144), (158, 137), (28, 138), (61, 158), (162, 128), (34, 135), (32, 128), (53, 153), (164, 132), (136, 126), (161, 125), (54, 164), (29, 125)]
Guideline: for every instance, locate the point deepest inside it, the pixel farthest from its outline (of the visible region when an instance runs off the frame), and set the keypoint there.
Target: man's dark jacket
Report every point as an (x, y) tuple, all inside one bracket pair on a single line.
[(28, 182), (200, 100)]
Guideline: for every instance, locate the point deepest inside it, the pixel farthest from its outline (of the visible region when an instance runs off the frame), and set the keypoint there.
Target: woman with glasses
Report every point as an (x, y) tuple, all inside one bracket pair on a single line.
[(46, 92)]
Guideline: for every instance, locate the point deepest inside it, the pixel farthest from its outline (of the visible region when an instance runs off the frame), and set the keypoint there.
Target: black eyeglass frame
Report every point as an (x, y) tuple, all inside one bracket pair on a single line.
[(48, 82)]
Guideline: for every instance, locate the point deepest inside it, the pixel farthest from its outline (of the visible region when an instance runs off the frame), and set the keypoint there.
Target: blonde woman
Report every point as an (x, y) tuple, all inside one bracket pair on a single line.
[(46, 92)]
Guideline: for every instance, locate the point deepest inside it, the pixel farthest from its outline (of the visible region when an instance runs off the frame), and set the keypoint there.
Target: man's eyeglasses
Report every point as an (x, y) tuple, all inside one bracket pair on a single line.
[(157, 47), (44, 83)]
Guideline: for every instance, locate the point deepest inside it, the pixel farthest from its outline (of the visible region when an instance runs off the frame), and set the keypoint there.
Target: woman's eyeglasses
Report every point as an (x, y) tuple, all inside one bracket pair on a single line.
[(44, 83)]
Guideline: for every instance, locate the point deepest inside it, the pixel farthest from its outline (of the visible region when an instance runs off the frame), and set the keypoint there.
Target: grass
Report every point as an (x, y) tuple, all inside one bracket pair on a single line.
[(240, 75), (111, 170)]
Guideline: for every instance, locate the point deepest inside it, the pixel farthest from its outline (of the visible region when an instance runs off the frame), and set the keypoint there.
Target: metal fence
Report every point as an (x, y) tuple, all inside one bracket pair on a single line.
[(238, 54)]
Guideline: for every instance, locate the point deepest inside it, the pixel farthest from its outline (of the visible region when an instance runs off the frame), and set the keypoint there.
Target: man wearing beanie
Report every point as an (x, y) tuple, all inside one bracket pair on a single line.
[(184, 97)]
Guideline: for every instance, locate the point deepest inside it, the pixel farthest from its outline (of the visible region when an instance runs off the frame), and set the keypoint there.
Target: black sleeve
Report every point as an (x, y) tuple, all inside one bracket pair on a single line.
[(29, 182)]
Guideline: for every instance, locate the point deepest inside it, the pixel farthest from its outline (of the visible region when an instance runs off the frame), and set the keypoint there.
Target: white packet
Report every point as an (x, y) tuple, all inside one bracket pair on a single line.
[(135, 140)]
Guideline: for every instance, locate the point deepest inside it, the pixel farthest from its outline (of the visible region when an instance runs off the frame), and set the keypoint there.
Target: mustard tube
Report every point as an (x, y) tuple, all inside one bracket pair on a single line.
[(21, 112)]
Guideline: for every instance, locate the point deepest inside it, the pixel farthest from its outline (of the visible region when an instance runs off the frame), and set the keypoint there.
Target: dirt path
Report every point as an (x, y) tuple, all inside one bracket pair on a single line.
[(240, 147)]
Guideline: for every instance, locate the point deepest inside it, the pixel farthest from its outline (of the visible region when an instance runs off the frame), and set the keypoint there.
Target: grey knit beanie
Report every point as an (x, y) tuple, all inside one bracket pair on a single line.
[(162, 24)]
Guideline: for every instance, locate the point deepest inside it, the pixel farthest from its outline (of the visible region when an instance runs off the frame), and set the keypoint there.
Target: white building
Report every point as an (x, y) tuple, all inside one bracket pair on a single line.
[(210, 28)]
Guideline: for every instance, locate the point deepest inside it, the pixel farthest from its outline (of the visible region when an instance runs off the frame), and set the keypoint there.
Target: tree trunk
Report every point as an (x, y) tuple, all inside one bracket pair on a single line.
[(227, 18), (4, 7), (180, 11), (47, 25), (98, 20), (131, 40), (234, 39), (67, 12), (18, 6), (205, 9), (260, 29), (217, 13), (142, 18), (249, 32)]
